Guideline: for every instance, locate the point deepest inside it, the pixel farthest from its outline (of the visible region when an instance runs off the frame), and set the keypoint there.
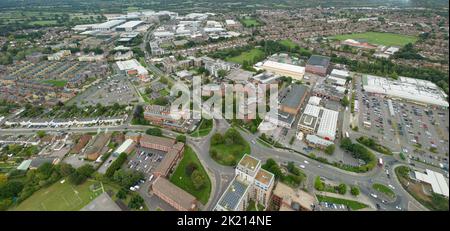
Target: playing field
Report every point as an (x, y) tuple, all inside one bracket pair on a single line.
[(61, 197), (249, 56), (248, 22), (387, 39)]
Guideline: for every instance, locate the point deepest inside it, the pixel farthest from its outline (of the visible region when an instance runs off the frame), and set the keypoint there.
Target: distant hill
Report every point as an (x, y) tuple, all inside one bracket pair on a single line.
[(179, 5)]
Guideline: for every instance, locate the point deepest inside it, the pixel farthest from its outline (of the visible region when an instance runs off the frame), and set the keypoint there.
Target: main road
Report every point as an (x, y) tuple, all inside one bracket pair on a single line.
[(221, 175)]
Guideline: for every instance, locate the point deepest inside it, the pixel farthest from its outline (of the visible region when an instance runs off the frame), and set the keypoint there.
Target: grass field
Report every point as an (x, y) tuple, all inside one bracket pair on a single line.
[(182, 180), (57, 83), (249, 56), (249, 22), (387, 39), (353, 205), (60, 197), (384, 189), (203, 129), (288, 43), (230, 154)]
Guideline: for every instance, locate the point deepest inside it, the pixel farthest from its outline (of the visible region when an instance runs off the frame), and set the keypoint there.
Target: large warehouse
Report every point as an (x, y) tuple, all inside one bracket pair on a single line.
[(129, 26), (283, 69), (107, 25), (410, 89)]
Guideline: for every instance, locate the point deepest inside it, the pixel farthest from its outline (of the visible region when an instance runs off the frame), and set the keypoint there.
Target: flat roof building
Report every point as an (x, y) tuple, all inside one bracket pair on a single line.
[(250, 183), (287, 198), (283, 69), (410, 89), (320, 121), (107, 25), (437, 181), (129, 26), (318, 65), (293, 98)]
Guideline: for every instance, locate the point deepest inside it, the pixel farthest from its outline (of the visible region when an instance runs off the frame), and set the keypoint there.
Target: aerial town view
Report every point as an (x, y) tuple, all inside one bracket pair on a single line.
[(286, 105)]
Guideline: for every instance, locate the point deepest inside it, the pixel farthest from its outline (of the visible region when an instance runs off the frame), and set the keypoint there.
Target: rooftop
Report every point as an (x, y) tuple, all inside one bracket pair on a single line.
[(264, 176), (233, 195), (294, 96), (318, 60), (249, 162), (291, 196), (157, 140), (179, 196), (435, 179)]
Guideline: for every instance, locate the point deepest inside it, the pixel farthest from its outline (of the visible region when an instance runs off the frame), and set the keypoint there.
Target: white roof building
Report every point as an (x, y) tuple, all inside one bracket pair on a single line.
[(339, 73), (124, 146), (108, 25), (283, 69), (328, 124), (132, 64), (314, 100), (417, 90), (129, 26), (435, 179)]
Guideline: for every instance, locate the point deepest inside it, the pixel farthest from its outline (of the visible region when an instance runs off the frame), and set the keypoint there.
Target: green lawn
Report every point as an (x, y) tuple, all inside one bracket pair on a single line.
[(354, 205), (248, 22), (60, 197), (387, 39), (57, 83), (203, 129), (182, 180), (288, 43), (230, 154), (249, 56), (384, 189)]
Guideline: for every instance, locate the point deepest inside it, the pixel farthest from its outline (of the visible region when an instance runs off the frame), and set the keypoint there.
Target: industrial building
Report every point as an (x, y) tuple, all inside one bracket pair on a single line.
[(132, 67), (251, 182), (292, 98), (409, 89), (320, 121), (318, 65), (107, 26), (129, 26), (282, 69), (437, 181)]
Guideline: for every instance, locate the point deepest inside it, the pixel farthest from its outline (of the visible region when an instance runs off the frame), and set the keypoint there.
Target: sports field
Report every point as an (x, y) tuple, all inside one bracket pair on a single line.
[(379, 38), (249, 22), (62, 197), (249, 56)]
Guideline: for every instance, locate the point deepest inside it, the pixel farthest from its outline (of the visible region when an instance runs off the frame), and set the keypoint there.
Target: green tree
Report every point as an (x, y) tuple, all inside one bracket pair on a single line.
[(40, 134), (154, 132), (354, 190), (198, 179), (122, 193), (345, 102), (181, 138), (341, 188), (136, 202), (319, 185), (330, 149)]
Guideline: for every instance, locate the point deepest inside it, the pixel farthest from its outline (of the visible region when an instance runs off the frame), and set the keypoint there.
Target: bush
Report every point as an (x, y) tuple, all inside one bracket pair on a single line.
[(154, 132), (198, 179), (341, 189), (217, 139), (319, 184), (330, 149), (127, 178), (190, 168), (354, 190), (122, 193), (181, 138), (136, 202)]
